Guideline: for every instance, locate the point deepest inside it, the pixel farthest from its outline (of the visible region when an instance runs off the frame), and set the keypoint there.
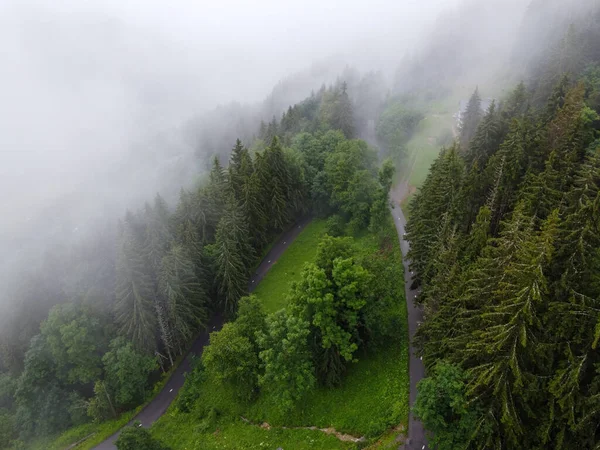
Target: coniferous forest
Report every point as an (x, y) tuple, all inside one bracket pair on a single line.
[(504, 247), (504, 234)]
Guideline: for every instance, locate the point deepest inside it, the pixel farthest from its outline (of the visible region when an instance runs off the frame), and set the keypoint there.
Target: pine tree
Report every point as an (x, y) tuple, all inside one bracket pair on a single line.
[(343, 115), (574, 314), (486, 140), (471, 118), (254, 210), (505, 171), (234, 256), (507, 348), (440, 196), (240, 168), (274, 181), (135, 295), (158, 233), (183, 297)]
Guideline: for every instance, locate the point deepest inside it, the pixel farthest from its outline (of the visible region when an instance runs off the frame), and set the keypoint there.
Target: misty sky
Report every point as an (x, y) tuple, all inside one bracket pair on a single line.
[(82, 80)]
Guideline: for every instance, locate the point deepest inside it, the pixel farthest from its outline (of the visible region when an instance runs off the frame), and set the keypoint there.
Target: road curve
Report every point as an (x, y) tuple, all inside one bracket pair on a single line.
[(416, 433), (159, 404)]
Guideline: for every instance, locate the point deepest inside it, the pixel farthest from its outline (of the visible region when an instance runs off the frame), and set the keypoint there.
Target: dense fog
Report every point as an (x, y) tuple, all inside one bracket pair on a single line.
[(83, 83), (152, 154), (106, 103)]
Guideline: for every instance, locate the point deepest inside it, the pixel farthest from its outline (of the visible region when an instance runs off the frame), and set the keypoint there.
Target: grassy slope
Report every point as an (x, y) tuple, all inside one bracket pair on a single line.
[(424, 146), (372, 398), (273, 289)]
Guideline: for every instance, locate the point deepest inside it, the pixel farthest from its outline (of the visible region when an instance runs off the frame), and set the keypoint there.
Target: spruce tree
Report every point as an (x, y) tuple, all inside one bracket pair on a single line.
[(470, 121), (486, 140), (343, 116), (234, 256), (135, 292), (439, 197), (183, 298), (158, 232)]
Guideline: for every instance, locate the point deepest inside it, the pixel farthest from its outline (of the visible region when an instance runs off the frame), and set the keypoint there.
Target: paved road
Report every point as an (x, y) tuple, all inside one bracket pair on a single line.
[(161, 402), (416, 433)]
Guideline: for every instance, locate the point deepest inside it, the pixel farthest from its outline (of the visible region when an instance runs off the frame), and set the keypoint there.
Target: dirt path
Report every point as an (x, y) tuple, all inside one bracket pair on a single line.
[(331, 431), (159, 404), (416, 433)]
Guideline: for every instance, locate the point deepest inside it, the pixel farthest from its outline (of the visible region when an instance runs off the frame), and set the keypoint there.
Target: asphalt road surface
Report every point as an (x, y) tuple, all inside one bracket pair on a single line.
[(161, 402), (416, 433)]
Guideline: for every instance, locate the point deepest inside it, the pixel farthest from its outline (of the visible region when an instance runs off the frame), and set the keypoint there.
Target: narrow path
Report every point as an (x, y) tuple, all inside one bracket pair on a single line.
[(159, 404), (330, 431), (416, 433)]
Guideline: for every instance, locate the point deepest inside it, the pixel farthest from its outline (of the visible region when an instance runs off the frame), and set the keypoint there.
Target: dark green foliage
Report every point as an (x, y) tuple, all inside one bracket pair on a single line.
[(336, 225), (380, 206), (158, 233), (127, 373), (135, 290), (42, 402), (470, 120), (181, 309), (7, 428), (444, 409), (486, 140), (434, 208), (135, 437), (7, 390), (337, 110), (76, 339), (190, 392), (509, 272), (234, 256), (125, 382), (350, 171)]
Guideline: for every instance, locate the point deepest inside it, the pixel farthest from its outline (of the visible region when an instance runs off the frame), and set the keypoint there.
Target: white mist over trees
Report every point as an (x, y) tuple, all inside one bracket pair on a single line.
[(106, 104)]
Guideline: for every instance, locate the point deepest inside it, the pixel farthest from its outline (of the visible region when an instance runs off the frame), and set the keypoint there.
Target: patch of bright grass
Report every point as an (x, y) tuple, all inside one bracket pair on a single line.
[(425, 146), (274, 287), (183, 432), (372, 398)]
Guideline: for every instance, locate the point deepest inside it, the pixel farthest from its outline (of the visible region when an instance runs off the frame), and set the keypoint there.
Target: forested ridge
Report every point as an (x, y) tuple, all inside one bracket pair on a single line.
[(504, 246), (98, 354), (505, 251)]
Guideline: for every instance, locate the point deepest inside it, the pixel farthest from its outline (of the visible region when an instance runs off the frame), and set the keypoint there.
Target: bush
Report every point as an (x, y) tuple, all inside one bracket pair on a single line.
[(335, 226), (209, 422), (137, 438), (190, 392), (7, 430), (232, 358)]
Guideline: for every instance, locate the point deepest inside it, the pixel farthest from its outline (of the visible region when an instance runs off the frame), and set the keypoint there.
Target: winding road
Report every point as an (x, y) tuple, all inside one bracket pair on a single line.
[(159, 404), (416, 433)]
